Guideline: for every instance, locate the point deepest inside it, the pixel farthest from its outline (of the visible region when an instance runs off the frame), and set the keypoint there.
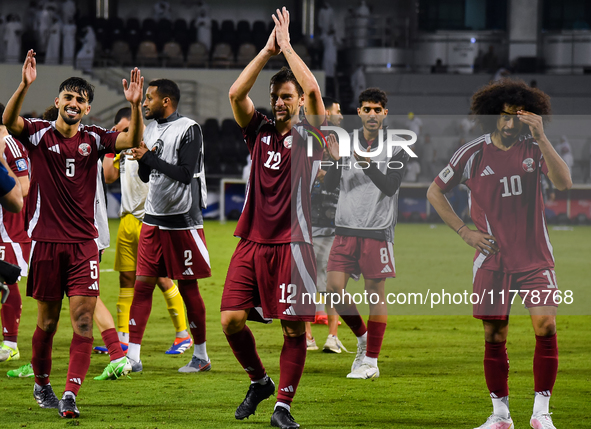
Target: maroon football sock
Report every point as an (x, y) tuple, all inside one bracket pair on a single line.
[(244, 347), (496, 368), (291, 367), (80, 350), (545, 364), (375, 336), (11, 313), (139, 313), (195, 309), (111, 340), (350, 315), (41, 360)]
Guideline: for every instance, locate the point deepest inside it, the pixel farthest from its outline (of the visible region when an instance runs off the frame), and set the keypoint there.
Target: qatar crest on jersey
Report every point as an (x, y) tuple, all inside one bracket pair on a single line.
[(84, 149), (288, 141), (528, 165)]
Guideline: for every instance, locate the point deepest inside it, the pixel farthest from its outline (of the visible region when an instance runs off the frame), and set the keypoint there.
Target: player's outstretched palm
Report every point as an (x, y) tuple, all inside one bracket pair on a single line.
[(30, 68), (134, 90), (282, 27), (333, 147)]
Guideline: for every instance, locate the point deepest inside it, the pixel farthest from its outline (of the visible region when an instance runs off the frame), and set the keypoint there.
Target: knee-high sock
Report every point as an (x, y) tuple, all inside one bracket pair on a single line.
[(496, 369), (244, 347), (11, 313), (545, 364), (80, 350), (123, 307), (176, 308), (111, 340), (291, 367), (195, 310), (375, 336), (350, 315), (140, 311), (41, 360)]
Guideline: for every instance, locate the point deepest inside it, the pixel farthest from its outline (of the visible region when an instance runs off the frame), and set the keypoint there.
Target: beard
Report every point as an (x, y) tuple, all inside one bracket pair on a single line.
[(155, 114), (68, 120)]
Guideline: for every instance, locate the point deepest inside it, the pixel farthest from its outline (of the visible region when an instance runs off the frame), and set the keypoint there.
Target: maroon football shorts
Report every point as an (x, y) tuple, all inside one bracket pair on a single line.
[(355, 255), (537, 288), (178, 254), (58, 268), (280, 278), (17, 254)]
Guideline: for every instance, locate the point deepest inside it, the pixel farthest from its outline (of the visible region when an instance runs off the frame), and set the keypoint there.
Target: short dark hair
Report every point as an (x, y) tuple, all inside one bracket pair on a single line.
[(167, 88), (79, 85), (124, 112), (2, 107), (286, 75), (51, 113), (328, 102), (488, 101), (374, 95)]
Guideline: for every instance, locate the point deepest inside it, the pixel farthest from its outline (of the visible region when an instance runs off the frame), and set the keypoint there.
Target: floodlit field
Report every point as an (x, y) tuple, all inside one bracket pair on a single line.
[(430, 365)]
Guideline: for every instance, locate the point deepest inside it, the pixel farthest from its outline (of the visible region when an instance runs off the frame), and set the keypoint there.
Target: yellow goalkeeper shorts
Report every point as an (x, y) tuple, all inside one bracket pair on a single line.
[(128, 237)]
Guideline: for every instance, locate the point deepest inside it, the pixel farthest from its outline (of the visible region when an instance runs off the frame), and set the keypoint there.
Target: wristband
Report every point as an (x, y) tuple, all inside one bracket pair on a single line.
[(458, 231)]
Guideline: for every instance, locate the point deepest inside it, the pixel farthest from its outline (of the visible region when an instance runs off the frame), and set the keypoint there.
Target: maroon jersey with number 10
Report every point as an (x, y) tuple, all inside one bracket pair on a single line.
[(505, 201), (277, 206), (61, 201)]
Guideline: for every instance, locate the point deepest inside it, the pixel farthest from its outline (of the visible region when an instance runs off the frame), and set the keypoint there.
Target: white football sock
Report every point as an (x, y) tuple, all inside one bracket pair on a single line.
[(133, 352), (362, 340), (541, 404), (10, 344), (69, 393), (262, 381), (123, 337), (501, 406), (200, 352), (371, 361), (182, 334), (282, 404)]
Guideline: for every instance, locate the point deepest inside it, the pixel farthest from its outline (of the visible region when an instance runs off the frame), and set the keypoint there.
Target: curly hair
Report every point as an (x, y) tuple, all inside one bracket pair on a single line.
[(373, 95), (488, 101)]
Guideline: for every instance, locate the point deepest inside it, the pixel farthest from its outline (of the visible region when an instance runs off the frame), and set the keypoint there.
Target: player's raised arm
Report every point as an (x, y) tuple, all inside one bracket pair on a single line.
[(242, 105), (134, 92), (558, 171), (314, 107), (478, 240), (11, 117)]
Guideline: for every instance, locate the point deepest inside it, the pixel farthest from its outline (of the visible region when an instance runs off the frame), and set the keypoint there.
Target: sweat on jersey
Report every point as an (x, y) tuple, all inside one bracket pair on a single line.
[(62, 195), (174, 167), (277, 203), (368, 198), (505, 195)]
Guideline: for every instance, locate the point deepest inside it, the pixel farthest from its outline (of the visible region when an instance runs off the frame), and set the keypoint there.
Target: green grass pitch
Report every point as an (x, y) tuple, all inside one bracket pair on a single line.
[(430, 364)]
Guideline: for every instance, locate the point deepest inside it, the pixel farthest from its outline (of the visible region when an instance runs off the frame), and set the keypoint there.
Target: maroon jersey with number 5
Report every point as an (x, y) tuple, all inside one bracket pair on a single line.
[(506, 201), (277, 206), (61, 201)]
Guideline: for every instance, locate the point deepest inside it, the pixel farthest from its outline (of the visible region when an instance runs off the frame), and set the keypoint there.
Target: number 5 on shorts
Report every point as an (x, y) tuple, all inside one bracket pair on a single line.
[(93, 270)]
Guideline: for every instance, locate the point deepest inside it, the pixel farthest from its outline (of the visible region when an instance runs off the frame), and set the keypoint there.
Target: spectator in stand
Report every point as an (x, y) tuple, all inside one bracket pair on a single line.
[(413, 168), (358, 84), (414, 123), (43, 24), (565, 151), (68, 10), (325, 19), (429, 160), (363, 10), (12, 36), (490, 61), (85, 56), (203, 24), (68, 42), (329, 61), (162, 11), (52, 55), (438, 68)]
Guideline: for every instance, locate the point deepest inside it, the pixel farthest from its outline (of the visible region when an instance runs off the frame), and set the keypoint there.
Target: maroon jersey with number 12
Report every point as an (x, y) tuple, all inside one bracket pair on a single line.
[(61, 201), (505, 201), (277, 206)]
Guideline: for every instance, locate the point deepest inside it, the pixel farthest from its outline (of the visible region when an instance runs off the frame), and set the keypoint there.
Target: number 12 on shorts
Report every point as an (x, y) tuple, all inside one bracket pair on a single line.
[(291, 290)]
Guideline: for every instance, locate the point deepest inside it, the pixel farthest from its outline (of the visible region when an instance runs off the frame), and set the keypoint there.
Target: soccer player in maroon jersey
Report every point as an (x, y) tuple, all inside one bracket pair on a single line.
[(64, 255), (502, 170), (274, 263), (15, 246)]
